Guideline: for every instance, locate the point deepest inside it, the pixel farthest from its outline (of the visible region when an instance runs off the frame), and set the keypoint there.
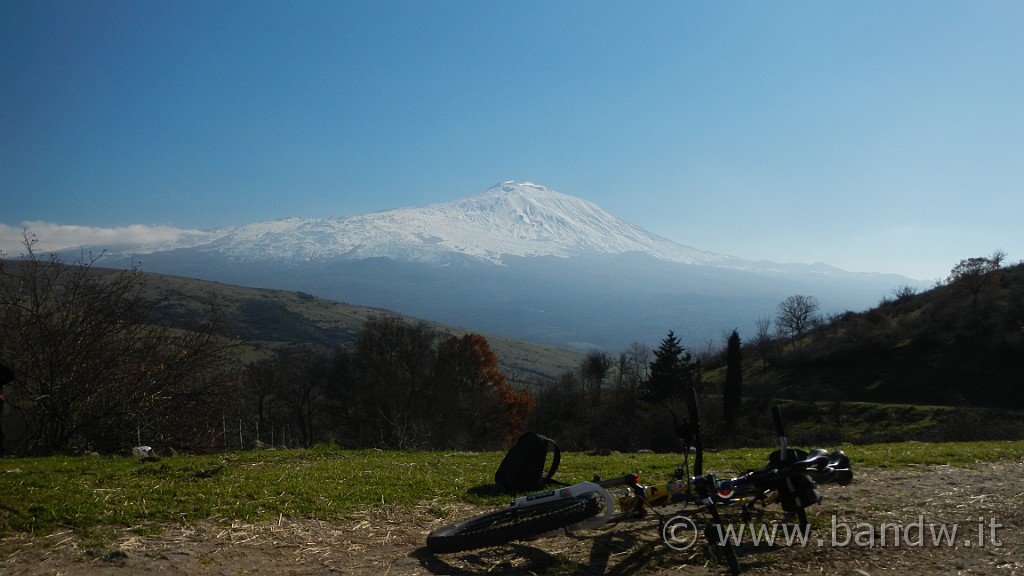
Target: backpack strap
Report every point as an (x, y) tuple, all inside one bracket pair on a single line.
[(556, 458)]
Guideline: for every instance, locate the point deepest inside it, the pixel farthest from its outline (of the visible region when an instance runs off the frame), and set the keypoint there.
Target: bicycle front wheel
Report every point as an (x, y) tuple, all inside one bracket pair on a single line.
[(511, 524)]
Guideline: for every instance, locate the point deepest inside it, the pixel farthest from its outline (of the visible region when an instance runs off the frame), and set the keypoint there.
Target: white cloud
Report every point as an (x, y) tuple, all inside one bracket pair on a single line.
[(52, 237)]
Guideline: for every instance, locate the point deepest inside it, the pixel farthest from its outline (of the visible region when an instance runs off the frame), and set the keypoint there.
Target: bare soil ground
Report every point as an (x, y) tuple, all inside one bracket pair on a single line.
[(985, 504)]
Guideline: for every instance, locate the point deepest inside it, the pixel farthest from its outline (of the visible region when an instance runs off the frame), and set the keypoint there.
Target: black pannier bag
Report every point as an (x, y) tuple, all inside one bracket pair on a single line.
[(523, 466)]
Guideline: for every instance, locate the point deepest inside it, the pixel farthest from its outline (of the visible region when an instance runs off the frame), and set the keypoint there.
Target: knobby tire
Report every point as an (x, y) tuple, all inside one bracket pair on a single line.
[(511, 524)]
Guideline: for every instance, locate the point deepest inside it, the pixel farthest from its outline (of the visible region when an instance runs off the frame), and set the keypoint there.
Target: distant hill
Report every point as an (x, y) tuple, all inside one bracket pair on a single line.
[(517, 260), (266, 320), (935, 347)]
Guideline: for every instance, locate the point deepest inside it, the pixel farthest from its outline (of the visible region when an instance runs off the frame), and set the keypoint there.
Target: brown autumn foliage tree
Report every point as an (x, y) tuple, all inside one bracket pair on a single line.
[(477, 406)]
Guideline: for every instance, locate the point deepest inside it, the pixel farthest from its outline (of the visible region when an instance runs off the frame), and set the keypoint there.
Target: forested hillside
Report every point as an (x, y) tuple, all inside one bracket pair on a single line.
[(959, 344), (106, 359), (943, 364)]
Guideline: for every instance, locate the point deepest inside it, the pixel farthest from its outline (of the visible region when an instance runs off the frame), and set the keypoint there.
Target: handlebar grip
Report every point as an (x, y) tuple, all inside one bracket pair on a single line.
[(843, 476), (819, 458), (839, 459), (814, 463), (829, 475)]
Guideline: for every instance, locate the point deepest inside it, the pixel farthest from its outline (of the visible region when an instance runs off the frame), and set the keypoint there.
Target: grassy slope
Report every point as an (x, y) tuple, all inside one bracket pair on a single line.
[(90, 494)]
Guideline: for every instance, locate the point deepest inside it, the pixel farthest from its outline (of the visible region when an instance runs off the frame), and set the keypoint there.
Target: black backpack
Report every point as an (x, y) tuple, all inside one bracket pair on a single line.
[(523, 467)]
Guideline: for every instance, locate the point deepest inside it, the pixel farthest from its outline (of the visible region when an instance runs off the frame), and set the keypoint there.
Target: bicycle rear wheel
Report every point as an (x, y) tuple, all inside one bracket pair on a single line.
[(510, 524)]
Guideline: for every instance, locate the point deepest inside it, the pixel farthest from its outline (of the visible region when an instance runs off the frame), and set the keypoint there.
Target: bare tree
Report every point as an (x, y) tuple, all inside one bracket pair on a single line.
[(299, 391), (92, 372), (395, 360), (594, 369), (903, 293), (974, 274), (763, 339), (634, 367), (796, 315)]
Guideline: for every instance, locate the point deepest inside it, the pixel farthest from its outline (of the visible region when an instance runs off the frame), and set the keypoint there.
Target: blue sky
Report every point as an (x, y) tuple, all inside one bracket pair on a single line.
[(873, 136)]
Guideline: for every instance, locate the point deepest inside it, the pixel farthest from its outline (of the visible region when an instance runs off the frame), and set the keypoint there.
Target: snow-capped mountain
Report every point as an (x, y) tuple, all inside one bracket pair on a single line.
[(518, 260), (509, 219)]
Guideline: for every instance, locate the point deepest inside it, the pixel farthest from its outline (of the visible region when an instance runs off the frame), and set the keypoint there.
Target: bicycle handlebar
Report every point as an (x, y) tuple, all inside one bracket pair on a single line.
[(823, 467), (818, 464)]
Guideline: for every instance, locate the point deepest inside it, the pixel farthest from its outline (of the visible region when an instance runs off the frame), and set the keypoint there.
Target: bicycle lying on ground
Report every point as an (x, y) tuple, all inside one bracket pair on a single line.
[(790, 478)]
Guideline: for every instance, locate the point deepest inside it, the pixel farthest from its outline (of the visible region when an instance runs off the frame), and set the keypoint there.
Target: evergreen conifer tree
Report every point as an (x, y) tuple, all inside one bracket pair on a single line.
[(673, 370), (732, 392)]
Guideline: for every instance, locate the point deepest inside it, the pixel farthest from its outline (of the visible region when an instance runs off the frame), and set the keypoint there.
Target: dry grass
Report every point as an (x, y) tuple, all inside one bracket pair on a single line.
[(389, 539)]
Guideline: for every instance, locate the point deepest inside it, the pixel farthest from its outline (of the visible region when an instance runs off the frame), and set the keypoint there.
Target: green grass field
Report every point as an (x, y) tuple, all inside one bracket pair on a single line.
[(89, 493)]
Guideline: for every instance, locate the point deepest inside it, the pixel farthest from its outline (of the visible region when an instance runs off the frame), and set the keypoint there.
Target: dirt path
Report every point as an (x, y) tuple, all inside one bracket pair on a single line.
[(984, 504)]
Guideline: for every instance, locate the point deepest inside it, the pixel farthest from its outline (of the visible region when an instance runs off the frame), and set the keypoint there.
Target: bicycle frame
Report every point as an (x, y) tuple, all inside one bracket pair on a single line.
[(625, 498), (790, 477)]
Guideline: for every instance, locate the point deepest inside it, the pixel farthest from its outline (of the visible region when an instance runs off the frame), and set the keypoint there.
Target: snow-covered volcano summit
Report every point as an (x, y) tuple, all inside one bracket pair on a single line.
[(509, 219), (570, 273)]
